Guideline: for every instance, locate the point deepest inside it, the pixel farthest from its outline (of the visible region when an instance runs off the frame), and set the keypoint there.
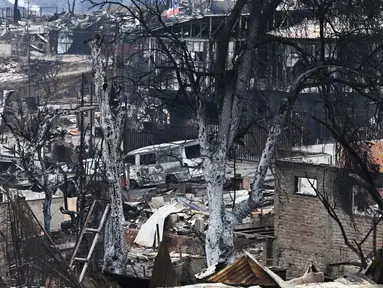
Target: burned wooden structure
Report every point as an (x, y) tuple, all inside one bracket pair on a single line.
[(29, 254)]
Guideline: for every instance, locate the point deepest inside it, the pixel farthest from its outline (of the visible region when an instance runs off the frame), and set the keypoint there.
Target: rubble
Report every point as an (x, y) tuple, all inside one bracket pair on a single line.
[(239, 274), (356, 282), (132, 210), (9, 65), (312, 275), (178, 215)]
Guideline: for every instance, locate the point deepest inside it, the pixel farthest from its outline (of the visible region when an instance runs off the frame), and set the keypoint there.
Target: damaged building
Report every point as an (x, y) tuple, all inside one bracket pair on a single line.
[(304, 230)]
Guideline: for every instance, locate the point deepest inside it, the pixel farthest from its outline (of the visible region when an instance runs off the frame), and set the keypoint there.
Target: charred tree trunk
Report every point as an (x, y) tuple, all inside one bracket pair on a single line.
[(219, 244), (112, 120), (256, 196), (277, 126), (73, 4), (15, 12), (47, 188), (47, 211), (219, 237)]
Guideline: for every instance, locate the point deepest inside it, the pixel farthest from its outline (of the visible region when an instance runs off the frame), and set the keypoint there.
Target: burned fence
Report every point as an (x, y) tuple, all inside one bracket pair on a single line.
[(135, 139)]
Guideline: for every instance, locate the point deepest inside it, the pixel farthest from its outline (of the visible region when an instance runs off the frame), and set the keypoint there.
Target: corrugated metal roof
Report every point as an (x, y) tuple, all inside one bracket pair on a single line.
[(147, 233), (278, 280), (244, 271), (238, 273)]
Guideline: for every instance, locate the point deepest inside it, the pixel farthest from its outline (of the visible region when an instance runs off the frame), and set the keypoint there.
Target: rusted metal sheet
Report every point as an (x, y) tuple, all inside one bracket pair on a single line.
[(247, 271), (243, 272), (278, 280), (238, 273), (164, 274), (376, 151)]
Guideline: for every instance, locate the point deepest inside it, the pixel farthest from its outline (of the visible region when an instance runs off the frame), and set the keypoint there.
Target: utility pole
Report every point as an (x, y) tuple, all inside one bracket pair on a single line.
[(91, 121), (81, 169), (82, 135), (123, 70), (15, 14), (29, 57)]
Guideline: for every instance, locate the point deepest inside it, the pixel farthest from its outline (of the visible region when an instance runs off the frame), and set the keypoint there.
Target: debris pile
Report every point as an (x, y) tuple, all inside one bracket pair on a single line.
[(249, 272), (168, 217), (178, 216), (9, 65), (96, 18)]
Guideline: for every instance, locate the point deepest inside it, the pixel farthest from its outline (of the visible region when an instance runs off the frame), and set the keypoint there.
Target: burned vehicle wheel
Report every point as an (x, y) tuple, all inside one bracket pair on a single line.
[(171, 179), (133, 184)]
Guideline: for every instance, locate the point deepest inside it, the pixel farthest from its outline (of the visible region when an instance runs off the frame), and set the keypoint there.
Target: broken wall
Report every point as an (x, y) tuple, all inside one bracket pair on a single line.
[(304, 231)]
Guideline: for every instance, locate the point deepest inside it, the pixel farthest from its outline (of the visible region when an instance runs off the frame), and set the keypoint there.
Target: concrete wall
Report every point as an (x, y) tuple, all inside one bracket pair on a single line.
[(304, 231), (5, 50), (57, 216)]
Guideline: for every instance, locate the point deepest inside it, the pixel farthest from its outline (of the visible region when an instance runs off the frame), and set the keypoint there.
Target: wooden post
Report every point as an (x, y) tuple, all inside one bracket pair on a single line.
[(158, 235), (374, 234), (268, 251)]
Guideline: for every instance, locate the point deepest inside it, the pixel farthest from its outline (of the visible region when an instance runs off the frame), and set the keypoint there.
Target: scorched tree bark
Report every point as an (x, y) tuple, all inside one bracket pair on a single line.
[(112, 124), (219, 237)]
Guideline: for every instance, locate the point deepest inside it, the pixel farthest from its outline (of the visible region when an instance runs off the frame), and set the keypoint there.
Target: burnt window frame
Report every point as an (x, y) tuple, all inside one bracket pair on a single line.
[(296, 186), (188, 147), (365, 212), (169, 155), (134, 160), (142, 156)]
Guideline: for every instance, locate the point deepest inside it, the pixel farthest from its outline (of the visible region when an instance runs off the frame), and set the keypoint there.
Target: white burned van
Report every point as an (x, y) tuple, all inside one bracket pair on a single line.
[(165, 163)]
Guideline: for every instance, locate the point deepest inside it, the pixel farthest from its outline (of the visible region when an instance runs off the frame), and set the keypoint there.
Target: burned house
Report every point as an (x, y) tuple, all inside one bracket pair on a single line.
[(304, 230), (279, 65), (175, 118)]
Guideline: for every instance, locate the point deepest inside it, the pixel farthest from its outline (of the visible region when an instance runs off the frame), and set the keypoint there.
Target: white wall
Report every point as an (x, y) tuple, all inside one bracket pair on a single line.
[(5, 50), (57, 216), (312, 159), (329, 149)]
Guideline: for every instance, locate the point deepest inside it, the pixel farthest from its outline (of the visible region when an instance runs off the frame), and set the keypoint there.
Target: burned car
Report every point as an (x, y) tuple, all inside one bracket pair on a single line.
[(164, 163)]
